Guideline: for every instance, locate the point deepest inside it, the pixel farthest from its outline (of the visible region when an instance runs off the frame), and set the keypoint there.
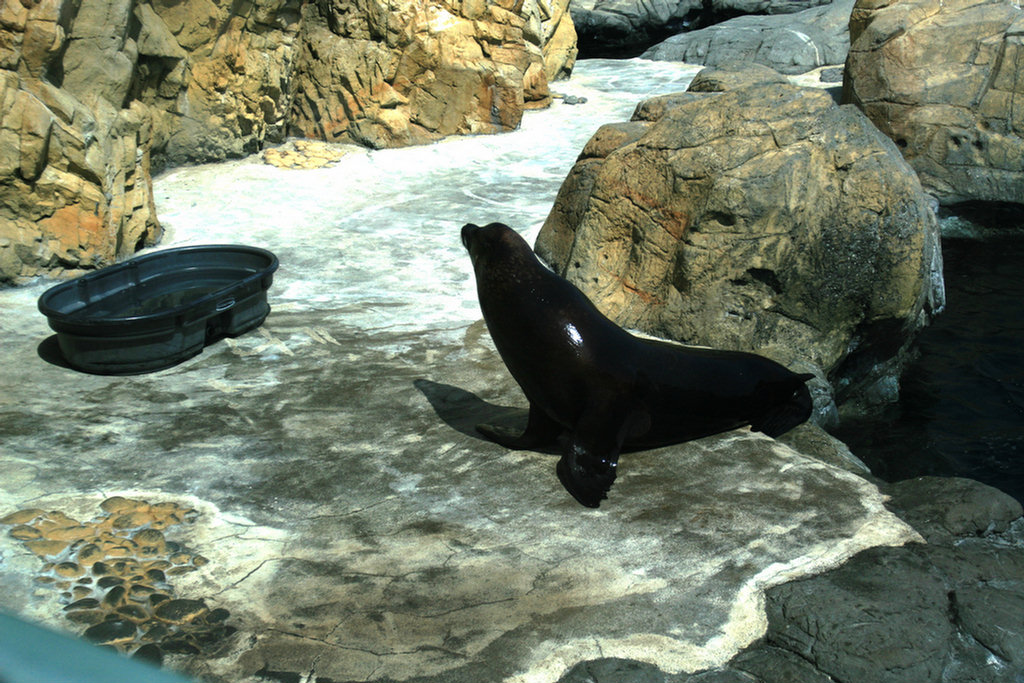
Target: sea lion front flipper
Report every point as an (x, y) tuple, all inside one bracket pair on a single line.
[(588, 467), (541, 430)]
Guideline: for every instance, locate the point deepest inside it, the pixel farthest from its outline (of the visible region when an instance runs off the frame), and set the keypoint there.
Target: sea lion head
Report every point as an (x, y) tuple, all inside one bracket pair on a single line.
[(494, 242)]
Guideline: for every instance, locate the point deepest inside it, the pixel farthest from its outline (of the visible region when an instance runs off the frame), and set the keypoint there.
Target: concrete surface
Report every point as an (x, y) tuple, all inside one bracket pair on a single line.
[(325, 470)]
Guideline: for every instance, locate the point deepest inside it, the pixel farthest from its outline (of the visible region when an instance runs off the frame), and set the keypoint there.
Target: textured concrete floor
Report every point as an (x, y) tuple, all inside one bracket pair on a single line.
[(324, 507)]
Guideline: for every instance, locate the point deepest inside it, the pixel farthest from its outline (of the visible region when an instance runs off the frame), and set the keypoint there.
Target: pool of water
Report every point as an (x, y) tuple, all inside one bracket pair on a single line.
[(961, 407)]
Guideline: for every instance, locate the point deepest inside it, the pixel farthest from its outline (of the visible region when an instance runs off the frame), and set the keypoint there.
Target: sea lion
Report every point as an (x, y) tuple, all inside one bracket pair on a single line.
[(603, 388)]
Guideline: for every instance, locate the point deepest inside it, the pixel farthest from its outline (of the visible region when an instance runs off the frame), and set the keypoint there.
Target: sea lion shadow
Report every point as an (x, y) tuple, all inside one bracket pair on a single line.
[(463, 410)]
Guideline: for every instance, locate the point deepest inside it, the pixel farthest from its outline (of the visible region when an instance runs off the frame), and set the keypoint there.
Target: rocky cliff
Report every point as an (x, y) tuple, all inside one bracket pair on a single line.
[(93, 90)]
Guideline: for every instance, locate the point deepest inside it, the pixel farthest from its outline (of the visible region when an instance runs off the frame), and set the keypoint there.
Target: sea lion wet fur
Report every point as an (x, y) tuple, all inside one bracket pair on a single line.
[(602, 388)]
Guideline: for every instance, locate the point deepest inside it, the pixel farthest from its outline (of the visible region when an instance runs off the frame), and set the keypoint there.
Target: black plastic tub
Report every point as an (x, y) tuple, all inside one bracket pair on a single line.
[(156, 310)]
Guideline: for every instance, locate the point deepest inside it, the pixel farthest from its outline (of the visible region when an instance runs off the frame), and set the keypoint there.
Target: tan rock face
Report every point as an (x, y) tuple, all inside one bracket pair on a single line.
[(764, 219), (945, 80), (75, 190), (93, 90), (416, 71)]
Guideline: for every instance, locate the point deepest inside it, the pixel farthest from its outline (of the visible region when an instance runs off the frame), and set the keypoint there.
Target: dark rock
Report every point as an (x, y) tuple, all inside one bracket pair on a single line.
[(791, 43), (995, 617), (944, 508), (150, 652), (614, 670), (883, 617), (775, 665), (111, 632)]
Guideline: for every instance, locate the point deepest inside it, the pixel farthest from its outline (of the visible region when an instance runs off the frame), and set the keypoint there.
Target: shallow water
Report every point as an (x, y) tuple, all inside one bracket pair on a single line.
[(961, 408)]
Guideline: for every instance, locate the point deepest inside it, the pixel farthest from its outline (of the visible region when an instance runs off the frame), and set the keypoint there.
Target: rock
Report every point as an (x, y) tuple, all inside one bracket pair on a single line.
[(93, 92), (79, 192), (886, 619), (789, 43), (613, 670), (413, 73), (732, 76), (305, 154), (942, 79), (610, 26), (946, 508), (765, 219)]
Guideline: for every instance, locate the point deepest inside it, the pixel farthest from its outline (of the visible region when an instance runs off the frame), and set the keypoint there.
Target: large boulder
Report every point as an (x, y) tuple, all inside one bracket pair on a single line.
[(75, 188), (789, 43), (945, 80), (765, 219)]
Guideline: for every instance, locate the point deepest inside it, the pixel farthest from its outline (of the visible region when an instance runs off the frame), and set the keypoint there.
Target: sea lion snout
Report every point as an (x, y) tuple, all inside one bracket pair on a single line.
[(467, 232)]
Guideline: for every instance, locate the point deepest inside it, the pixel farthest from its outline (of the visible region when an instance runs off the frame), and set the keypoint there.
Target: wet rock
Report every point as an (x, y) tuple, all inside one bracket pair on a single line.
[(111, 632), (942, 79), (764, 218), (789, 43), (943, 509), (887, 619), (150, 652), (180, 610)]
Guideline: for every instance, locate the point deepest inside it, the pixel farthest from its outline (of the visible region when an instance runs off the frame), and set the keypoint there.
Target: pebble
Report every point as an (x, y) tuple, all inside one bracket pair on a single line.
[(26, 533), (68, 570), (115, 596), (21, 516), (179, 610), (84, 603), (89, 554), (109, 581), (46, 548), (118, 504), (111, 632), (150, 652)]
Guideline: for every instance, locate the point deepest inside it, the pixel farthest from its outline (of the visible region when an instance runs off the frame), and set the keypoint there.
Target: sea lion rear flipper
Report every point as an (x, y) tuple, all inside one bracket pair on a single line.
[(541, 430)]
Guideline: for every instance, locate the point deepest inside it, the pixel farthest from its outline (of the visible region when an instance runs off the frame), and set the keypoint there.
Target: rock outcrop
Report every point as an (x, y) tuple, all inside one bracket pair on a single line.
[(93, 91), (75, 190), (766, 218), (951, 609), (945, 80), (789, 43)]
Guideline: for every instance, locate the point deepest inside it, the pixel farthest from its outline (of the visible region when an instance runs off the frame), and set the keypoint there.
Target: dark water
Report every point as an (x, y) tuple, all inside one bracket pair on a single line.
[(961, 408)]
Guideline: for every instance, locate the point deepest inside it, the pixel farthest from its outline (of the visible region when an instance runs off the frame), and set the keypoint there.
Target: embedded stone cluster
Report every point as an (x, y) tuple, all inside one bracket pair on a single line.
[(115, 574)]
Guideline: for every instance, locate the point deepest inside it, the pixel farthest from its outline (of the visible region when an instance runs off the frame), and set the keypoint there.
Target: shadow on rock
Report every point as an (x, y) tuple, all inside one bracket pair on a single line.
[(463, 410)]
